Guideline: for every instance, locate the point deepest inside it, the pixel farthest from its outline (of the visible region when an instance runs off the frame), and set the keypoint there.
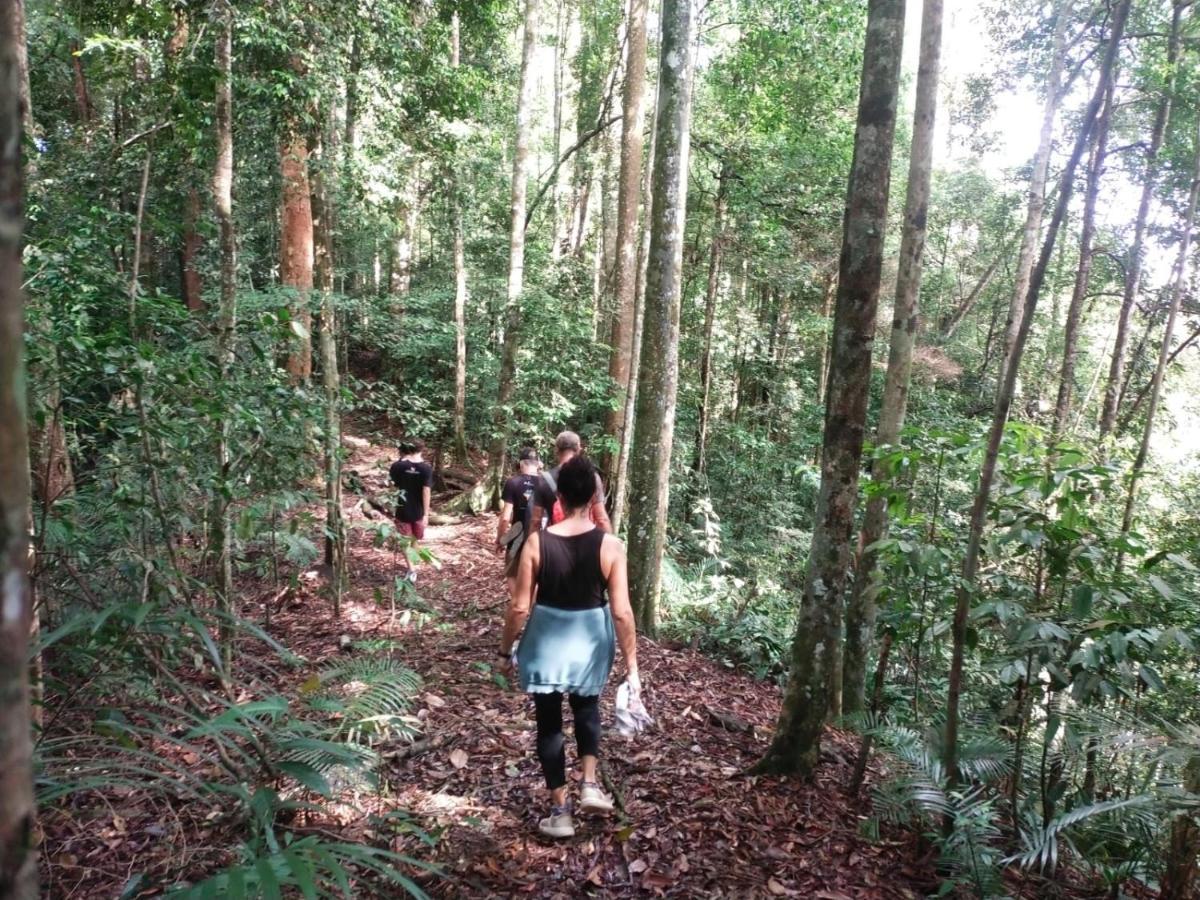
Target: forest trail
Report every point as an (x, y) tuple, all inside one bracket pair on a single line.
[(691, 824)]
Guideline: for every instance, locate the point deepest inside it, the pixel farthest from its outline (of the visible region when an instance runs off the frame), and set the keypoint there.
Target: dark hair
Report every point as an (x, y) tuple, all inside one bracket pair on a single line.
[(411, 445), (528, 454), (577, 482)]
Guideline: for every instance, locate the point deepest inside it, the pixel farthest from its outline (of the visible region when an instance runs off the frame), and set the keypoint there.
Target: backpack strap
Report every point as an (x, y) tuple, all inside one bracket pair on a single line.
[(548, 477)]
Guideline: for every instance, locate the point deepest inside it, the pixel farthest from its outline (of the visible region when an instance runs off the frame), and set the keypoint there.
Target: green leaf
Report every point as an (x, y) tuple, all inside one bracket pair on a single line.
[(1083, 598), (307, 776), (1151, 678)]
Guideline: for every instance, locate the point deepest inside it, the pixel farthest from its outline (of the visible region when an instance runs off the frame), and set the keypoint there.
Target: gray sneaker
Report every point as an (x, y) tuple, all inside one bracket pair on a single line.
[(594, 800), (559, 824)]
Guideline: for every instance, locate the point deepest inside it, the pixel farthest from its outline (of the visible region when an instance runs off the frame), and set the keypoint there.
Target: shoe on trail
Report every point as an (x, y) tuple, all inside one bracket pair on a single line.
[(559, 824), (594, 800)]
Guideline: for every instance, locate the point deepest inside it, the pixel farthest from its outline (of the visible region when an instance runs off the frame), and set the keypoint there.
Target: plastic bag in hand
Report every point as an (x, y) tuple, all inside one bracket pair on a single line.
[(632, 717)]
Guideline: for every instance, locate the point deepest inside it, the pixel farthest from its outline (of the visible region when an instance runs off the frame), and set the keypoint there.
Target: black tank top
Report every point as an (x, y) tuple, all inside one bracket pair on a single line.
[(569, 576)]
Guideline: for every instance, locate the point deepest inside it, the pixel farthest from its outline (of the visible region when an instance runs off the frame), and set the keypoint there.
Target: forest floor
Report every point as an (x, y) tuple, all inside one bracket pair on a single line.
[(690, 822)]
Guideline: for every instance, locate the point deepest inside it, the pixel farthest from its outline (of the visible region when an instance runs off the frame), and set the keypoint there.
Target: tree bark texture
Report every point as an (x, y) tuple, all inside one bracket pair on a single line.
[(516, 257), (816, 648), (1164, 351), (716, 249), (628, 196), (654, 430), (1181, 878), (1036, 205), (222, 190), (1004, 399), (1133, 265), (860, 609), (1083, 274), (296, 247), (460, 290), (18, 857), (192, 244)]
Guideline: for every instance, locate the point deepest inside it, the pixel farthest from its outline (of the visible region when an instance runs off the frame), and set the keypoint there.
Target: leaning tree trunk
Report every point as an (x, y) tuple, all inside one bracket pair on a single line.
[(221, 541), (1083, 274), (460, 290), (620, 486), (296, 247), (628, 184), (654, 430), (987, 471), (716, 249), (18, 828), (1037, 188), (1164, 352), (516, 258), (335, 528), (860, 609), (1133, 267), (816, 649)]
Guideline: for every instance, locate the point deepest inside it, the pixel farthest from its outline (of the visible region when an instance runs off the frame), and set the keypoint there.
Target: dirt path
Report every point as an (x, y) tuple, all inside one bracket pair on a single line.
[(691, 824)]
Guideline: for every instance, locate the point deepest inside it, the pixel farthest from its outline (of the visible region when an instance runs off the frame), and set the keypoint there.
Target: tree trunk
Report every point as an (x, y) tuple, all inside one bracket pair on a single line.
[(950, 323), (816, 648), (350, 128), (1181, 880), (83, 101), (18, 858), (221, 541), (1133, 266), (827, 338), (1164, 351), (516, 257), (629, 181), (620, 486), (296, 247), (460, 291), (1083, 274), (860, 609), (1037, 189), (987, 472), (699, 457), (654, 429), (192, 244)]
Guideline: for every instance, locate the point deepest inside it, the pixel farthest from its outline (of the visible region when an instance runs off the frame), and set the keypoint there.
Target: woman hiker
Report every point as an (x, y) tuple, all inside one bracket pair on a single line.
[(573, 576)]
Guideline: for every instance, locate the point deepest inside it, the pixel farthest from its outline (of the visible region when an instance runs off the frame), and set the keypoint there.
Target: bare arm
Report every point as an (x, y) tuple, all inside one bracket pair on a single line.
[(599, 511), (522, 598), (505, 520), (427, 494), (535, 521), (612, 563)]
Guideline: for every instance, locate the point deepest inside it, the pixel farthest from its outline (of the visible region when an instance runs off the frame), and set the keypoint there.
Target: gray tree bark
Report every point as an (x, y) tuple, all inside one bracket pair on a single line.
[(654, 430), (816, 648), (716, 250), (516, 258), (987, 472), (460, 290), (860, 610), (18, 828), (1133, 267)]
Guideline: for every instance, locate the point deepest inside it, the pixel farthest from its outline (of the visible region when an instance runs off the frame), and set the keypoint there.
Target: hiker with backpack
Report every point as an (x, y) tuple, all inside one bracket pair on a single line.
[(512, 528), (547, 508)]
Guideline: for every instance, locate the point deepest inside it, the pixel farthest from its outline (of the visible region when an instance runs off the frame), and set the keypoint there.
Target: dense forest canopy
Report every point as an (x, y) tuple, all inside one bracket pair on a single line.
[(879, 318)]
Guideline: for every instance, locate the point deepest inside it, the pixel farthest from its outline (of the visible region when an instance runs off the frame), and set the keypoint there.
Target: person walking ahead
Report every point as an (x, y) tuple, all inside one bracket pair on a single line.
[(546, 511), (414, 479), (512, 528), (574, 577)]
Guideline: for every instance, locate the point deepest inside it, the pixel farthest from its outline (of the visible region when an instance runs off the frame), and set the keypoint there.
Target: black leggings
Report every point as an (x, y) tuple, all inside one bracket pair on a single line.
[(550, 741)]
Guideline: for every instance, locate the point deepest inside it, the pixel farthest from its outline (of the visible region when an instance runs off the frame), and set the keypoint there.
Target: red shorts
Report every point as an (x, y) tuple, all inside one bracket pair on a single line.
[(412, 529)]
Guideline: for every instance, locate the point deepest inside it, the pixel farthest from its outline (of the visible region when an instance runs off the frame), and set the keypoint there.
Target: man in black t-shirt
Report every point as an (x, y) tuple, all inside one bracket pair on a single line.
[(414, 479), (513, 525), (567, 446)]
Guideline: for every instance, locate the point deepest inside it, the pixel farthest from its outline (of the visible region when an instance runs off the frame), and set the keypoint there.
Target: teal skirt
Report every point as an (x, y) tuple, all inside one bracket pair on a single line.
[(567, 650)]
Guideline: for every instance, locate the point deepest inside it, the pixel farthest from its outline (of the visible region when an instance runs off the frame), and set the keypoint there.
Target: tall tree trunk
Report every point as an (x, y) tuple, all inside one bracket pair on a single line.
[(1164, 352), (860, 610), (654, 429), (987, 471), (620, 486), (192, 244), (83, 100), (951, 322), (18, 858), (221, 541), (629, 182), (1181, 879), (296, 247), (827, 337), (350, 128), (1133, 266), (460, 290), (816, 647), (1037, 188), (1083, 273), (699, 457), (335, 529), (516, 257)]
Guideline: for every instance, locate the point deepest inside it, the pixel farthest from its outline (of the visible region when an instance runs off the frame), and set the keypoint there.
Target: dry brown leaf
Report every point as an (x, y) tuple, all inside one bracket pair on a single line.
[(458, 758), (638, 865)]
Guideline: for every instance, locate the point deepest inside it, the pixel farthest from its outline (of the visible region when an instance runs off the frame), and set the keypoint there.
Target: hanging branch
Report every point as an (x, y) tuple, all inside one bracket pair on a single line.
[(570, 151)]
